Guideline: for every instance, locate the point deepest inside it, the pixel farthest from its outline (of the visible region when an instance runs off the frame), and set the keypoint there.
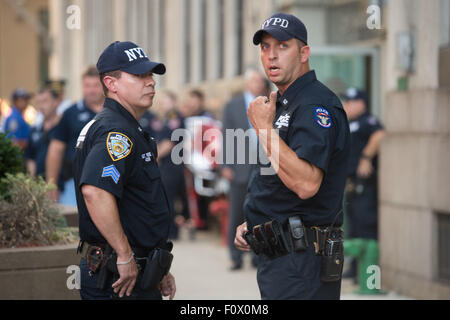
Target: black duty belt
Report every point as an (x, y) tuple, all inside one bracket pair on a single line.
[(274, 239), (154, 263), (84, 247)]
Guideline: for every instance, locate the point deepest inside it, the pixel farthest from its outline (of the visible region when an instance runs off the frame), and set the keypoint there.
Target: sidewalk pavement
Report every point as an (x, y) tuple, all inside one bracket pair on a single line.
[(201, 270)]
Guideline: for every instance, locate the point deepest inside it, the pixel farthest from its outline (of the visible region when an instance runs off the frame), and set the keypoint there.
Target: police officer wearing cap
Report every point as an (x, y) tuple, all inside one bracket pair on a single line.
[(121, 199), (293, 216), (366, 133)]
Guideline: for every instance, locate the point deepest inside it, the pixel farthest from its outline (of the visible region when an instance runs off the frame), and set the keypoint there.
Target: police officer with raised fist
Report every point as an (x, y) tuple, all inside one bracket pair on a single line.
[(293, 216)]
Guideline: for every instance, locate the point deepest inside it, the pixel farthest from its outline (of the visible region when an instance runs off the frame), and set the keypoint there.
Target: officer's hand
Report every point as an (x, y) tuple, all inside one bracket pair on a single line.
[(365, 168), (128, 274), (167, 286), (239, 241), (261, 111)]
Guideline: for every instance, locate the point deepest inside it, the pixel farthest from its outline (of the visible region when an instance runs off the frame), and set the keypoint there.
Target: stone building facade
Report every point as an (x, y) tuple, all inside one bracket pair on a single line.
[(404, 63)]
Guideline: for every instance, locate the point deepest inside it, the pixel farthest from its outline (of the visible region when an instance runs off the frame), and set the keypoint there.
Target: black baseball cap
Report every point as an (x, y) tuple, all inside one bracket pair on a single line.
[(353, 93), (129, 57), (282, 26)]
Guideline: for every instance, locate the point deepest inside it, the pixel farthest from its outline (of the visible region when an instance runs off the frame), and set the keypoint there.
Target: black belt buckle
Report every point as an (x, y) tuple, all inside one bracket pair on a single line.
[(298, 234), (276, 238), (260, 236)]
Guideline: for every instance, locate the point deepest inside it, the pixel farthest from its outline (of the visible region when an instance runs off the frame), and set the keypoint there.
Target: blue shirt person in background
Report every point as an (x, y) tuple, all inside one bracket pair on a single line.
[(15, 125)]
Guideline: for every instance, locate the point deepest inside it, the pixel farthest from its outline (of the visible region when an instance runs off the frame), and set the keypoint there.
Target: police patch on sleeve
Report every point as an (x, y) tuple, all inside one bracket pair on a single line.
[(322, 117), (118, 145)]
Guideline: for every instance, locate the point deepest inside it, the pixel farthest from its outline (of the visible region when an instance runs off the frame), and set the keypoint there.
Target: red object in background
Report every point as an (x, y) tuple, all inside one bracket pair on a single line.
[(192, 197), (219, 208)]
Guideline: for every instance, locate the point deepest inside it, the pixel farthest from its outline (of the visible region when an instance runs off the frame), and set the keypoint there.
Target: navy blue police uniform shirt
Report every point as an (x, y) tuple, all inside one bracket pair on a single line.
[(115, 154), (360, 131), (69, 127), (37, 148), (312, 122)]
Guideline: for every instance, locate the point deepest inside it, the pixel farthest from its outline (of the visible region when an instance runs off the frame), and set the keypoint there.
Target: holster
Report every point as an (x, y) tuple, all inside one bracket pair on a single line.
[(260, 236), (108, 267), (276, 238), (157, 266)]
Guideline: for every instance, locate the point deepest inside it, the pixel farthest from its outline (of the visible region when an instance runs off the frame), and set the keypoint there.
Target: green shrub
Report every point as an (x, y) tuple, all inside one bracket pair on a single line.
[(28, 217), (11, 160)]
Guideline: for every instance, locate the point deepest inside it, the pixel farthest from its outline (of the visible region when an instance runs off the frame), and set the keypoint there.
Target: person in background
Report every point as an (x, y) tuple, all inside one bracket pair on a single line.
[(61, 150), (172, 174), (194, 106), (235, 117), (366, 133), (46, 102), (15, 126)]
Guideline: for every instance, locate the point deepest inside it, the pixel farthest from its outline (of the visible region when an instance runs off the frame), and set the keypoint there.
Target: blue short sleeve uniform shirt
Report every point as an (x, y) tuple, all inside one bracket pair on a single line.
[(310, 119), (115, 154)]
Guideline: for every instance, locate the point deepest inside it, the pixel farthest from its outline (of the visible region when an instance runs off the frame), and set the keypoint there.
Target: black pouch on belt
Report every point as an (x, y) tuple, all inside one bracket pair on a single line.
[(275, 236), (252, 242), (333, 256), (157, 266), (261, 237), (298, 234)]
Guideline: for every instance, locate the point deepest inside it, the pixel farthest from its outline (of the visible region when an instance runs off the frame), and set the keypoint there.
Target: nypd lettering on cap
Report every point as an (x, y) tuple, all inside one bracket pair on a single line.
[(284, 23), (322, 117), (135, 53)]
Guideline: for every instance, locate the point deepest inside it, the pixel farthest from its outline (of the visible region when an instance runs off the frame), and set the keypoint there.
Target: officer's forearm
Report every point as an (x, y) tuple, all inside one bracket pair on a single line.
[(373, 145), (297, 174), (104, 213), (53, 162)]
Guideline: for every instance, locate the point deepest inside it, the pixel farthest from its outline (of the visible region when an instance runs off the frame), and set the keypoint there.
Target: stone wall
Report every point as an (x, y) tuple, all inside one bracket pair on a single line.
[(37, 273), (414, 184)]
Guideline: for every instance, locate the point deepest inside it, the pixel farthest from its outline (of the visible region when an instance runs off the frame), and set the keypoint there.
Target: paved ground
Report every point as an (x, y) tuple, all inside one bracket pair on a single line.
[(201, 269)]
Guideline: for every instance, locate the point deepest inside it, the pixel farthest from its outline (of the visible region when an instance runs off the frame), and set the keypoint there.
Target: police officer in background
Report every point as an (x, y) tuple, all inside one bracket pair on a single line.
[(46, 102), (366, 134), (61, 150), (293, 216), (121, 200)]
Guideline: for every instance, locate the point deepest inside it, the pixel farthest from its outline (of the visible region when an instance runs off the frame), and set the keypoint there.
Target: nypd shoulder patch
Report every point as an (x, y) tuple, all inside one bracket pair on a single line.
[(111, 171), (119, 145), (322, 117)]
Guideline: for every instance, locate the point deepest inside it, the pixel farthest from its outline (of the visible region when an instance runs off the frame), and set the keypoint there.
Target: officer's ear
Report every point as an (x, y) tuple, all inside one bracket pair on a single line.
[(110, 83), (305, 52)]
